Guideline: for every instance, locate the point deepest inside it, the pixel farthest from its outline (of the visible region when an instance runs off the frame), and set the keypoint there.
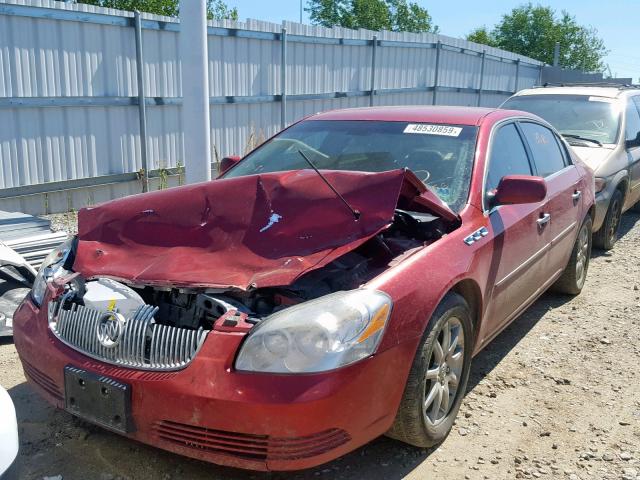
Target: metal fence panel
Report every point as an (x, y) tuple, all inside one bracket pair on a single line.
[(69, 101)]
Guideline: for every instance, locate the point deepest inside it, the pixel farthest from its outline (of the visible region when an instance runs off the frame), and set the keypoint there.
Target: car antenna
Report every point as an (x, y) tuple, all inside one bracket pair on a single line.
[(356, 213)]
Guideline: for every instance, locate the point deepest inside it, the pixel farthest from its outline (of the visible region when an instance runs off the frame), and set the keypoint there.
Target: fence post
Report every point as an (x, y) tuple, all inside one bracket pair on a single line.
[(283, 78), (142, 108), (515, 89), (436, 73), (484, 57), (374, 45), (540, 68)]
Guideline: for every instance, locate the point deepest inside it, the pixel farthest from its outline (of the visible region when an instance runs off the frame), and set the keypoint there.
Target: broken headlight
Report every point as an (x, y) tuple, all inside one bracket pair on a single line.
[(52, 267), (319, 335)]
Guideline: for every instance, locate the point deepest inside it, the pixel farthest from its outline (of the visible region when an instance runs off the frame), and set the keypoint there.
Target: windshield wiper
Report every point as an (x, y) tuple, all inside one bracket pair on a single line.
[(354, 212), (579, 137)]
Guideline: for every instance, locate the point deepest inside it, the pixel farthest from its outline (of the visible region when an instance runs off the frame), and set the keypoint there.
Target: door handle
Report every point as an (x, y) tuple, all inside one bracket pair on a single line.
[(544, 219), (576, 196)]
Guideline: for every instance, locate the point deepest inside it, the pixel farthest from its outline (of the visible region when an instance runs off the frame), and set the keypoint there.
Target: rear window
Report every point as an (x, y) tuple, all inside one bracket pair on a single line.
[(546, 151), (590, 117)]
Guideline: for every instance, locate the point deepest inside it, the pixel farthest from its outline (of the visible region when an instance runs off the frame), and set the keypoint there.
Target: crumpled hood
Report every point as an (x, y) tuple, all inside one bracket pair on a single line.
[(245, 232), (593, 156)]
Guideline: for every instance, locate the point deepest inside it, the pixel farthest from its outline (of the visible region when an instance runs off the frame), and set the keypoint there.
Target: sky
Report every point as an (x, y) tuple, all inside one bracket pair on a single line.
[(615, 20)]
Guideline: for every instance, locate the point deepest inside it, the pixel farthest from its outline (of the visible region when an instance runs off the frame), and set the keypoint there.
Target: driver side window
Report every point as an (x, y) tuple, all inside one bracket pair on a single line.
[(508, 156)]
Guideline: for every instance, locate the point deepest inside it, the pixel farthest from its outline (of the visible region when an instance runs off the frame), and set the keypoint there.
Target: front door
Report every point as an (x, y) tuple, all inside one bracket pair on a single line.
[(518, 239)]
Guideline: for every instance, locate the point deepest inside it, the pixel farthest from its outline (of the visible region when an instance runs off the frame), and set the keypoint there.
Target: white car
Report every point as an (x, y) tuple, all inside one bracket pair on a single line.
[(8, 432)]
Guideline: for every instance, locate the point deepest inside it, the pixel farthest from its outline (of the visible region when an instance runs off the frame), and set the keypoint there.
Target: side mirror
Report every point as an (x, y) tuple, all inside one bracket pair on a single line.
[(518, 189), (633, 143), (227, 162)]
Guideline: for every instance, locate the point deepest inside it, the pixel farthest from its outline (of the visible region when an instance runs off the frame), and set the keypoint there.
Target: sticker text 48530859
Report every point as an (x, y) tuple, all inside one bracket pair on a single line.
[(426, 129)]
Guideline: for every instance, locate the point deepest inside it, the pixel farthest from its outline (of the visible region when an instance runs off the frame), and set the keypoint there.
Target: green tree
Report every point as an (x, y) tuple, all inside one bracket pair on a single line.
[(216, 9), (394, 15), (534, 30), (482, 35)]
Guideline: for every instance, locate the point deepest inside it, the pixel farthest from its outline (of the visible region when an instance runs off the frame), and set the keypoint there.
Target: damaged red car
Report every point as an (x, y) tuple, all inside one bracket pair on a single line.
[(332, 286)]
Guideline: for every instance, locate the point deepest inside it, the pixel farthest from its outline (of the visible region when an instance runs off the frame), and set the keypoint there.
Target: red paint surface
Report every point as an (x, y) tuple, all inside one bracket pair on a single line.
[(515, 189)]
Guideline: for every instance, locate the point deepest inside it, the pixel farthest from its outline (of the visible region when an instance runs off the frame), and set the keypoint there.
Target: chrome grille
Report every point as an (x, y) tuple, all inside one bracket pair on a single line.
[(143, 344)]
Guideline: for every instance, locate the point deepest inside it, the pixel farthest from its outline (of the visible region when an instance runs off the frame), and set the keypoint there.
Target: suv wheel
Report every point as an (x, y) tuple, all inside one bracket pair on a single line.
[(575, 274), (438, 378), (607, 236)]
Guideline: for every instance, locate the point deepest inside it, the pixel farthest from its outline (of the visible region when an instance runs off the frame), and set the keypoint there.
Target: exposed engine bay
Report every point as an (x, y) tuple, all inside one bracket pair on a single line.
[(193, 308)]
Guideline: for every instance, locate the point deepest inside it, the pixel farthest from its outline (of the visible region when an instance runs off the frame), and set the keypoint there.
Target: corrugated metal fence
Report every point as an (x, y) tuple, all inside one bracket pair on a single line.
[(69, 91)]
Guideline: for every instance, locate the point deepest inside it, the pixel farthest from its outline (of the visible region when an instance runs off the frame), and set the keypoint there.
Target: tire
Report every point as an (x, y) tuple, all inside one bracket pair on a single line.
[(412, 425), (607, 236), (636, 207), (575, 274)]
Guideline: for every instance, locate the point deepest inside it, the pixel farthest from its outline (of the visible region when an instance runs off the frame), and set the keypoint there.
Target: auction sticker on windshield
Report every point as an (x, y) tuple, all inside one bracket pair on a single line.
[(425, 129)]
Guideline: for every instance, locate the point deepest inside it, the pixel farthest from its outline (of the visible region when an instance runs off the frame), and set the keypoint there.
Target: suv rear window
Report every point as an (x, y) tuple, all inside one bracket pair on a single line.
[(589, 117)]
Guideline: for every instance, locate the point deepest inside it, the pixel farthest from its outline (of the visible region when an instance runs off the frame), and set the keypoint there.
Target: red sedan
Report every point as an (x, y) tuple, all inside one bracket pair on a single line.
[(331, 287)]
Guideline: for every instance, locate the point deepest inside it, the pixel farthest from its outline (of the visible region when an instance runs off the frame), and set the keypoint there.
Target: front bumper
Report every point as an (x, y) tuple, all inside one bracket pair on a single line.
[(210, 412)]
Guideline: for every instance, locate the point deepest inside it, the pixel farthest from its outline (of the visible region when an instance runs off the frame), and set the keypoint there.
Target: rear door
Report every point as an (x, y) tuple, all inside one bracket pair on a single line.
[(518, 243), (632, 130), (564, 190)]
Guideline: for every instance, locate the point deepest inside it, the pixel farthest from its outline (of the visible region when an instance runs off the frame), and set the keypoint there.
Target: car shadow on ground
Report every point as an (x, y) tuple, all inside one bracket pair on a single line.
[(627, 222)]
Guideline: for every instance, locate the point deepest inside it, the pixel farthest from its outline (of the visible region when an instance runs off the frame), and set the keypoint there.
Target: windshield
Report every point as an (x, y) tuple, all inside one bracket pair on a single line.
[(589, 117), (440, 155)]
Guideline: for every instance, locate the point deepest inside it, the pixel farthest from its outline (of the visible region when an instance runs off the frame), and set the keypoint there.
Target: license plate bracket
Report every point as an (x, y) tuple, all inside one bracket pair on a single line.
[(98, 399)]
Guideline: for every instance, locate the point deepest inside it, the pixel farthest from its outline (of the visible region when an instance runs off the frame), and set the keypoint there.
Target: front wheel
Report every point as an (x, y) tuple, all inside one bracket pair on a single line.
[(438, 377), (575, 274), (607, 236)]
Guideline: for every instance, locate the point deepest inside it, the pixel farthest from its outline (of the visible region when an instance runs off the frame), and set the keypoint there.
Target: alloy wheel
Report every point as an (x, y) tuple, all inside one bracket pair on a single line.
[(444, 372), (582, 258), (616, 213)]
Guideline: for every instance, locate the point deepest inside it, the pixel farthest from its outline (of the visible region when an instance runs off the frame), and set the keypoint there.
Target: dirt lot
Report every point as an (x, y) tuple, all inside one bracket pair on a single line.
[(557, 395)]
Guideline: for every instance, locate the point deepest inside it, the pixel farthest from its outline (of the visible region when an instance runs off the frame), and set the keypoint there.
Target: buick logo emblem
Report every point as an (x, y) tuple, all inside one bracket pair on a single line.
[(109, 329)]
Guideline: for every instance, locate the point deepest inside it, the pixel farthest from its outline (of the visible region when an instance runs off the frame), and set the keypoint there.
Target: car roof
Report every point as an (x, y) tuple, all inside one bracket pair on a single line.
[(418, 113), (608, 92)]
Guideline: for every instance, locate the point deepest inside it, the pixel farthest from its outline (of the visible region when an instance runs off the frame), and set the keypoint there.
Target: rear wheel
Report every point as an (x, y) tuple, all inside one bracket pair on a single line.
[(438, 377), (575, 274), (607, 236)]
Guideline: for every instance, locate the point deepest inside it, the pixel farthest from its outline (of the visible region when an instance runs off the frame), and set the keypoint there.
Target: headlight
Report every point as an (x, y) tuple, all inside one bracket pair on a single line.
[(600, 184), (319, 335), (52, 267)]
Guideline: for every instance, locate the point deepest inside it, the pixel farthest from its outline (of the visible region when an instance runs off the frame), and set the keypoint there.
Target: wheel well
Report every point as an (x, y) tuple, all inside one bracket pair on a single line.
[(470, 291), (623, 186), (592, 213)]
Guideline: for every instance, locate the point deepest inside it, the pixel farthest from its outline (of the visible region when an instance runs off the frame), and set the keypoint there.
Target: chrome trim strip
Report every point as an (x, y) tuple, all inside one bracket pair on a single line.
[(563, 233), (518, 311), (533, 258)]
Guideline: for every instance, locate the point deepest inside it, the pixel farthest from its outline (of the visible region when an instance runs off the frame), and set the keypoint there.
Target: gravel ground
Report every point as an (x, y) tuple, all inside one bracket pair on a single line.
[(64, 221), (556, 395)]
